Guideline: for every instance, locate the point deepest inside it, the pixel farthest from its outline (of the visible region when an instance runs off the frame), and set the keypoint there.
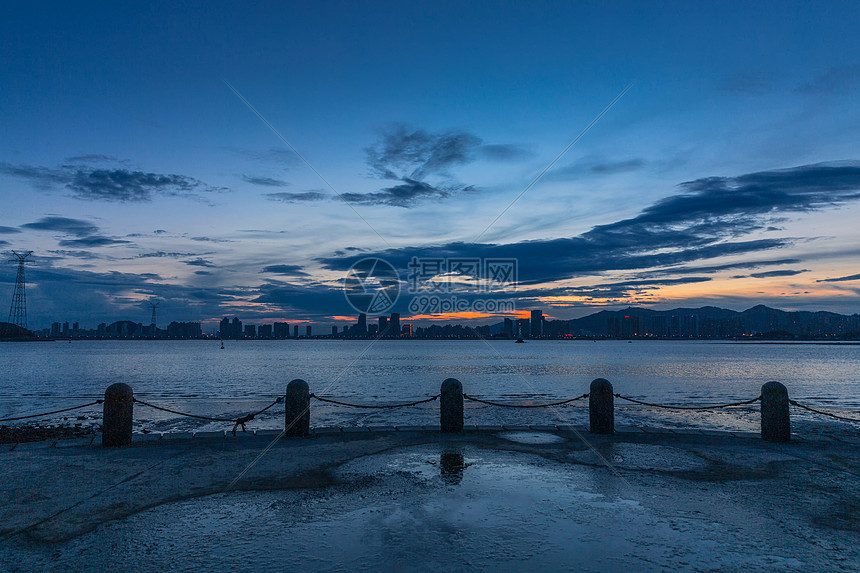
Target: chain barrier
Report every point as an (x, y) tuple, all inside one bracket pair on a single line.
[(240, 421), (473, 399), (799, 405), (385, 406), (51, 413), (714, 407)]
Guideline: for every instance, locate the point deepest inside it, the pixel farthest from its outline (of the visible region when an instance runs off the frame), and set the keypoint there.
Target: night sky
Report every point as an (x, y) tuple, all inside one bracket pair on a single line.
[(728, 172)]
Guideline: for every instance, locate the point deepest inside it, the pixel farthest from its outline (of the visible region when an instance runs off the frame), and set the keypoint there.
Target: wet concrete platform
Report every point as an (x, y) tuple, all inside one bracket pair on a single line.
[(409, 498)]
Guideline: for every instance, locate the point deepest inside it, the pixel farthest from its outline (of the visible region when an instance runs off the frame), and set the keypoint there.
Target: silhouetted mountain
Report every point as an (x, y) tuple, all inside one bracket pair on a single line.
[(714, 322)]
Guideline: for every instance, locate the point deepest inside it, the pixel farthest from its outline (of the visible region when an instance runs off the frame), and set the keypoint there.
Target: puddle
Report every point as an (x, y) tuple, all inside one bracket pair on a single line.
[(531, 437), (642, 457)]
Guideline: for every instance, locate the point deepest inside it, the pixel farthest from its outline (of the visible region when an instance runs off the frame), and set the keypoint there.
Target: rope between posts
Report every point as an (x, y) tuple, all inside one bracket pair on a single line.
[(51, 413), (240, 421), (380, 407), (799, 405), (714, 407), (473, 399)]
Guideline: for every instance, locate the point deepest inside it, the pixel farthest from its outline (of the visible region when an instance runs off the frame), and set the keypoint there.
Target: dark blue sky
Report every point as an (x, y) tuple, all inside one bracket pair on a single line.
[(133, 171)]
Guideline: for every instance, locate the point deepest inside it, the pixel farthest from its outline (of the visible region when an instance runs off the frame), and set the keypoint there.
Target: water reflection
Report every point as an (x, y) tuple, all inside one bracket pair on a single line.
[(452, 465)]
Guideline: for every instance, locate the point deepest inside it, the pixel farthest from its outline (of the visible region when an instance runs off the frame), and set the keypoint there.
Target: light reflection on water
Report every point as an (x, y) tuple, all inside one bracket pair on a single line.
[(199, 377)]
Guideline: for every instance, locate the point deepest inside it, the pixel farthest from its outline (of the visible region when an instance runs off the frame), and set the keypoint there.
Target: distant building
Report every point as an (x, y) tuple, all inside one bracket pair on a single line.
[(236, 328), (407, 330), (383, 324), (65, 329), (394, 329), (308, 331), (184, 330), (334, 330), (281, 330), (509, 328), (264, 331), (361, 327), (56, 329), (224, 328), (296, 331), (345, 329), (250, 331), (537, 323)]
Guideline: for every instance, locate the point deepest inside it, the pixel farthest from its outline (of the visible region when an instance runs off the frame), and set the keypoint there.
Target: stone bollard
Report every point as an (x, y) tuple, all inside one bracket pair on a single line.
[(451, 406), (601, 407), (775, 419), (118, 414), (297, 410)]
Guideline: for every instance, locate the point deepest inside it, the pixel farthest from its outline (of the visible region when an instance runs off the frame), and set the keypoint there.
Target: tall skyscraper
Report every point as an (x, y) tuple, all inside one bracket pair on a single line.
[(282, 330), (308, 331), (537, 323), (334, 330), (296, 331), (361, 327), (383, 324), (236, 328), (394, 328), (509, 327)]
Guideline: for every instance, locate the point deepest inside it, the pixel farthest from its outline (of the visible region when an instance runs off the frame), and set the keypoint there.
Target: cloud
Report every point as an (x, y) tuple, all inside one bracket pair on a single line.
[(504, 152), (415, 153), (4, 243), (65, 225), (779, 273), (264, 181), (164, 254), (285, 197), (717, 268), (128, 186), (76, 254), (277, 155), (100, 184), (704, 221), (93, 158), (92, 241), (839, 279), (200, 262), (837, 79), (406, 194), (9, 230), (210, 240), (294, 270), (422, 162), (596, 167)]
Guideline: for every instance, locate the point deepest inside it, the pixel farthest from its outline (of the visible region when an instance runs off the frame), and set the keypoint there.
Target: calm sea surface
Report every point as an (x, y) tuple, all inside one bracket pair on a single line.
[(199, 377)]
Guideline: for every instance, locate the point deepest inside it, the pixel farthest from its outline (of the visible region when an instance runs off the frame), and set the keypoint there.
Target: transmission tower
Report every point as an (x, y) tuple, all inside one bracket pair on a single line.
[(154, 305), (18, 310)]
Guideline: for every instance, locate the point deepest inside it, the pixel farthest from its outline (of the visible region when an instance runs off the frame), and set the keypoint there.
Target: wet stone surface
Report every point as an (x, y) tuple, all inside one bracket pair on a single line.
[(507, 501)]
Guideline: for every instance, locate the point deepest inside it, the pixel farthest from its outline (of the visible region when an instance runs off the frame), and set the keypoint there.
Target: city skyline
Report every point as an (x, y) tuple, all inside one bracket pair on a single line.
[(726, 172)]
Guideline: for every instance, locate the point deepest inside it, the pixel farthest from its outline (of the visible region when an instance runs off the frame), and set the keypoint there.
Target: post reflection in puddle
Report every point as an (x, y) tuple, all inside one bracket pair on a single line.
[(452, 465)]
